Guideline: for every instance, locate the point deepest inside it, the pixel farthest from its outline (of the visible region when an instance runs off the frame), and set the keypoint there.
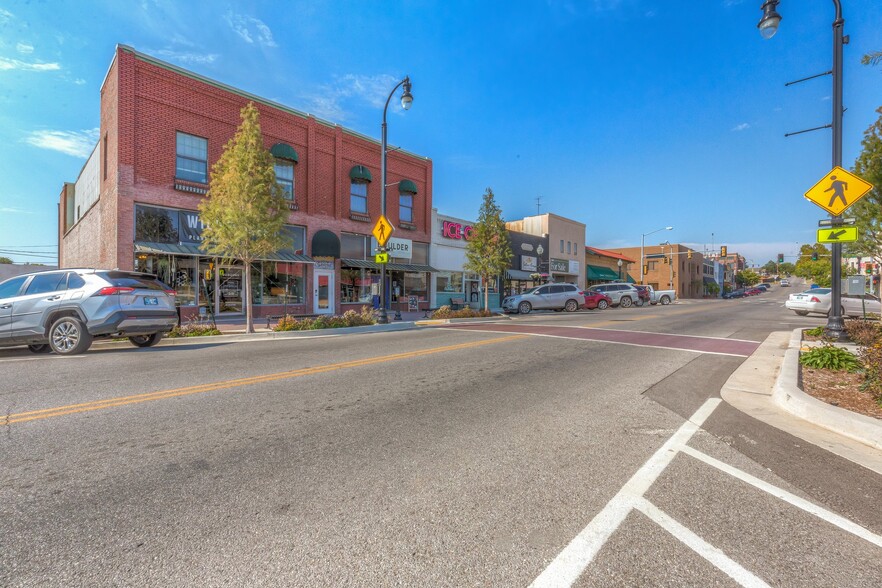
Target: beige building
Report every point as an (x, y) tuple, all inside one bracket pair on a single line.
[(565, 259)]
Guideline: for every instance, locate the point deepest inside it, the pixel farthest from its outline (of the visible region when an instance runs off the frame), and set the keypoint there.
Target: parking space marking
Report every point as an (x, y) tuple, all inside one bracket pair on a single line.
[(801, 503), (570, 563)]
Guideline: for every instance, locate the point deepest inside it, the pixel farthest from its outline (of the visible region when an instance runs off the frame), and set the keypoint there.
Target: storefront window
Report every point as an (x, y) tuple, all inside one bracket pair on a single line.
[(359, 285), (276, 282), (415, 284), (178, 273), (353, 246), (156, 225), (420, 254), (448, 282)]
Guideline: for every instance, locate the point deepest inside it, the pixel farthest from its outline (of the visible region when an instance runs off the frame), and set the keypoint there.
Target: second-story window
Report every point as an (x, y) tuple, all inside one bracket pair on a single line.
[(192, 158), (358, 197), (285, 177)]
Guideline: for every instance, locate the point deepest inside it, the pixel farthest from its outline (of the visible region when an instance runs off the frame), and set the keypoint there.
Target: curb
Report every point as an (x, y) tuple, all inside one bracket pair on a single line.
[(787, 395)]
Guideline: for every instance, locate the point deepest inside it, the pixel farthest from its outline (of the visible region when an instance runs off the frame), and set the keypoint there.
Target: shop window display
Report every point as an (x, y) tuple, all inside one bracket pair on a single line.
[(448, 282), (359, 285), (177, 272), (277, 283)]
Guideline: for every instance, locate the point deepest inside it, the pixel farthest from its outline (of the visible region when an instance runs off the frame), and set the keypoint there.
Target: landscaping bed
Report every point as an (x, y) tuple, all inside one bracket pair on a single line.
[(852, 383)]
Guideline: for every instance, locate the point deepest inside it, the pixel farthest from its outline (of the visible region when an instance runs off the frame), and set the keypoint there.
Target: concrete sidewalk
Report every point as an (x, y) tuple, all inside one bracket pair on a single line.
[(236, 324), (766, 387)]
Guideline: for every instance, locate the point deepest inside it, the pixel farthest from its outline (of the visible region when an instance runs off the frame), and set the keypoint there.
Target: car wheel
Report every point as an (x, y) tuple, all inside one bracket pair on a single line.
[(639, 302), (146, 340), (42, 348), (68, 336), (625, 302), (571, 306), (665, 300), (603, 305), (801, 312), (524, 308)]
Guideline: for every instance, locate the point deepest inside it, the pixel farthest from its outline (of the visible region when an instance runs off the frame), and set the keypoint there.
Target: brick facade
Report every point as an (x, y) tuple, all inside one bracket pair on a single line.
[(683, 274), (145, 102)]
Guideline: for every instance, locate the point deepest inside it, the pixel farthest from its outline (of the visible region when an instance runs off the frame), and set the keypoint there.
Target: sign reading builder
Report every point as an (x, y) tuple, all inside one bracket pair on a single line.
[(399, 248)]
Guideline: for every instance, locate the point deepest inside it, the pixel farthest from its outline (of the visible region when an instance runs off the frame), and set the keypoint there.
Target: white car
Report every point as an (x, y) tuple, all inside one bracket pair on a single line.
[(817, 301), (785, 283)]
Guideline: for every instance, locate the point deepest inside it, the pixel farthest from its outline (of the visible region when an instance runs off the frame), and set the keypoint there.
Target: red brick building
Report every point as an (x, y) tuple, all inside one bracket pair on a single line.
[(134, 205)]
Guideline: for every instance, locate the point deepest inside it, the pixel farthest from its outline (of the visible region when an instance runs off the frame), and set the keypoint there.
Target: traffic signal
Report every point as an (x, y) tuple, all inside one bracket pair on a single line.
[(814, 256), (667, 260), (645, 269), (724, 251), (868, 268), (689, 255), (780, 258)]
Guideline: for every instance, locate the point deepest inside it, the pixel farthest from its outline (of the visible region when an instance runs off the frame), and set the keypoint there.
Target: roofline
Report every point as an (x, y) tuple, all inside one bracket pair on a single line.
[(608, 253), (254, 97)]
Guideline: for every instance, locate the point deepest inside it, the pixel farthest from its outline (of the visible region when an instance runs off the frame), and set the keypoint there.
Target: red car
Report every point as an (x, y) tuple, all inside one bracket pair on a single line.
[(752, 291), (597, 300)]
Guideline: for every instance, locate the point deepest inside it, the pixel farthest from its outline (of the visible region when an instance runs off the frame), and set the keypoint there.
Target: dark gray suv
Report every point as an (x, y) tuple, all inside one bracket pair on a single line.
[(64, 310)]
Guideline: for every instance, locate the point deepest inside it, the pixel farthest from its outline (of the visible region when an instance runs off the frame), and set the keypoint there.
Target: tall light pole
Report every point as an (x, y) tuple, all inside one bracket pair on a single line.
[(643, 244), (406, 101), (768, 26)]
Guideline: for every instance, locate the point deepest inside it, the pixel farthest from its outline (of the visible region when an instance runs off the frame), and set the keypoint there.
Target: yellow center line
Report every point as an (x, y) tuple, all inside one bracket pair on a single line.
[(201, 388)]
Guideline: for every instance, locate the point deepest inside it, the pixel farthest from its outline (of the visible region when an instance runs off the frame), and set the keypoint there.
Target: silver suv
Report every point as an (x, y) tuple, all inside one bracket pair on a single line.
[(548, 297), (623, 295), (64, 310)]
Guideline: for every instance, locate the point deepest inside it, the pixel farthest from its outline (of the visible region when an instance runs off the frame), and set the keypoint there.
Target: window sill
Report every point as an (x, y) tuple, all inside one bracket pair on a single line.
[(189, 186), (358, 216), (291, 205), (408, 226)]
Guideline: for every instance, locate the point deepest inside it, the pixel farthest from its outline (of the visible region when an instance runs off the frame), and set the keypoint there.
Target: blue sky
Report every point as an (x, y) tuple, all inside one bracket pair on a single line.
[(627, 115)]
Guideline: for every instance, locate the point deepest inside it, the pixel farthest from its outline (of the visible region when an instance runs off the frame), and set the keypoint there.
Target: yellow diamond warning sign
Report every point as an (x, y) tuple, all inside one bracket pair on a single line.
[(382, 231), (838, 190)]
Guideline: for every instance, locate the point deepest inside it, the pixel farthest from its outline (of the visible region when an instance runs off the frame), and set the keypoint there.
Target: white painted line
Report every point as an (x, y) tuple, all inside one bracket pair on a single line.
[(712, 554), (801, 503), (566, 568), (698, 351)]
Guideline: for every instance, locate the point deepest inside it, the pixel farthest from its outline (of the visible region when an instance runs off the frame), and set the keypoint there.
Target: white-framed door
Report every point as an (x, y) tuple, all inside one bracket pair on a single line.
[(323, 291)]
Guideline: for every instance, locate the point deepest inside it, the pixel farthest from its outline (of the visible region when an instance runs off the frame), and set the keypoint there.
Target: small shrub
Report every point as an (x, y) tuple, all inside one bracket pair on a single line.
[(350, 318), (830, 357), (871, 358), (445, 312), (816, 332), (863, 332), (194, 329)]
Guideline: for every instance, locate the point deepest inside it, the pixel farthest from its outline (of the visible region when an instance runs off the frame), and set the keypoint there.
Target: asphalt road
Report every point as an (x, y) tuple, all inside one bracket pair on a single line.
[(528, 452)]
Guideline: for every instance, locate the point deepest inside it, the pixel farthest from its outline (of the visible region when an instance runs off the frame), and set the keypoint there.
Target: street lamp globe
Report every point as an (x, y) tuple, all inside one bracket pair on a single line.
[(768, 24), (406, 97)]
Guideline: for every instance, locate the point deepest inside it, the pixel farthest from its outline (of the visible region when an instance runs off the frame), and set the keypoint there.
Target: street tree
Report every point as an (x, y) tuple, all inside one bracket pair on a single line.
[(747, 277), (488, 252), (868, 210), (5, 260), (815, 263), (244, 211)]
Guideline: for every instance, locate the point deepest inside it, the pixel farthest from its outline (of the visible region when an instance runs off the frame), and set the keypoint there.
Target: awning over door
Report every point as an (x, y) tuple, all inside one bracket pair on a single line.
[(599, 272)]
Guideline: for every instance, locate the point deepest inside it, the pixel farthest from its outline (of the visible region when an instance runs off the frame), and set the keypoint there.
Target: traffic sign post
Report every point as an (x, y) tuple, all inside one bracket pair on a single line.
[(838, 190), (838, 235)]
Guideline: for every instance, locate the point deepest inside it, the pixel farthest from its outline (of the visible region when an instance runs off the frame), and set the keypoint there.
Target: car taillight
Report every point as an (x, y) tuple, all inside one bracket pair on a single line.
[(171, 292), (114, 290), (814, 299)]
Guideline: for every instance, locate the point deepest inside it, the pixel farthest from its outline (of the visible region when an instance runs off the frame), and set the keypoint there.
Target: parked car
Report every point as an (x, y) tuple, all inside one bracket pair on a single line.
[(784, 283), (819, 301), (753, 291), (663, 297), (64, 310), (645, 295), (548, 297), (598, 300), (737, 293), (764, 287), (621, 294)]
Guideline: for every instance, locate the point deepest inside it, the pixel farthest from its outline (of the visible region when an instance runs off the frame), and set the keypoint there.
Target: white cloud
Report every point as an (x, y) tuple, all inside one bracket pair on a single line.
[(24, 48), (826, 98), (650, 13), (732, 2), (79, 81), (185, 57), (10, 210), (76, 143), (328, 101), (252, 30), (15, 64), (741, 127), (5, 16)]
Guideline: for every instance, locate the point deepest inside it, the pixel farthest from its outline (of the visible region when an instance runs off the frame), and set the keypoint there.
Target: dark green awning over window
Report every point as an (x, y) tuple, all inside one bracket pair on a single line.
[(283, 151), (360, 172), (407, 187), (598, 272), (187, 249)]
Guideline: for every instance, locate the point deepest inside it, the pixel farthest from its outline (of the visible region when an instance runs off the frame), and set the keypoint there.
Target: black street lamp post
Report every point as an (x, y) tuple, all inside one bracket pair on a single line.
[(406, 101), (768, 26)]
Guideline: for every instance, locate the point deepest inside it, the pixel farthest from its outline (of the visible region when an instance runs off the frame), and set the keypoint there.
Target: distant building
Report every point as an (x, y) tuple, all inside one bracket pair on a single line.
[(602, 266), (566, 245), (671, 267)]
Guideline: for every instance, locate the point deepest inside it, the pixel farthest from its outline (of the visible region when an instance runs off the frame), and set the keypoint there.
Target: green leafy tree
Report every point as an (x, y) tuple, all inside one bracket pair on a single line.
[(244, 211), (817, 270), (868, 210), (5, 260), (488, 252), (786, 268), (771, 267), (747, 277)]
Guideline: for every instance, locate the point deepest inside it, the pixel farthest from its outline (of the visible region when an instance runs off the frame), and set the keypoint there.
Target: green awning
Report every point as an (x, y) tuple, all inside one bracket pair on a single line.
[(631, 280), (189, 249), (393, 267), (599, 272), (283, 151), (407, 187), (359, 263), (360, 172)]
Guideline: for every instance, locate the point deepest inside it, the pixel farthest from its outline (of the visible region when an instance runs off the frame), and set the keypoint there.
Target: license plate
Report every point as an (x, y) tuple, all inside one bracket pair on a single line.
[(151, 301)]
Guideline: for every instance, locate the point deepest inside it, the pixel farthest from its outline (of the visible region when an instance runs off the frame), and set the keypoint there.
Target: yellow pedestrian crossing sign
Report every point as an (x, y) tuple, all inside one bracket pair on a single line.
[(838, 190), (838, 235), (382, 231)]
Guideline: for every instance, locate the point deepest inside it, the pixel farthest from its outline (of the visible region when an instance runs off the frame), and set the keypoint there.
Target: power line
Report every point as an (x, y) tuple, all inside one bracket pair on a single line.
[(27, 246)]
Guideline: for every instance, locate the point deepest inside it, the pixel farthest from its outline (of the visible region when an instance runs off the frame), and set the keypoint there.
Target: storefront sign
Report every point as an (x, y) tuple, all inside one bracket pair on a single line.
[(529, 263), (457, 231), (561, 266), (324, 265), (412, 303), (574, 267), (400, 248), (190, 227)]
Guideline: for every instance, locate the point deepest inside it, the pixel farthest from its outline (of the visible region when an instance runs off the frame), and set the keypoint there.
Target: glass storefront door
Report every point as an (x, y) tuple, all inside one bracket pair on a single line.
[(230, 289), (323, 287)]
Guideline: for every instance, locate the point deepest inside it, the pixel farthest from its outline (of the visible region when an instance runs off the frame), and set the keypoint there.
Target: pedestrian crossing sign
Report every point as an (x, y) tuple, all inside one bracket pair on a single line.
[(838, 190), (382, 230)]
